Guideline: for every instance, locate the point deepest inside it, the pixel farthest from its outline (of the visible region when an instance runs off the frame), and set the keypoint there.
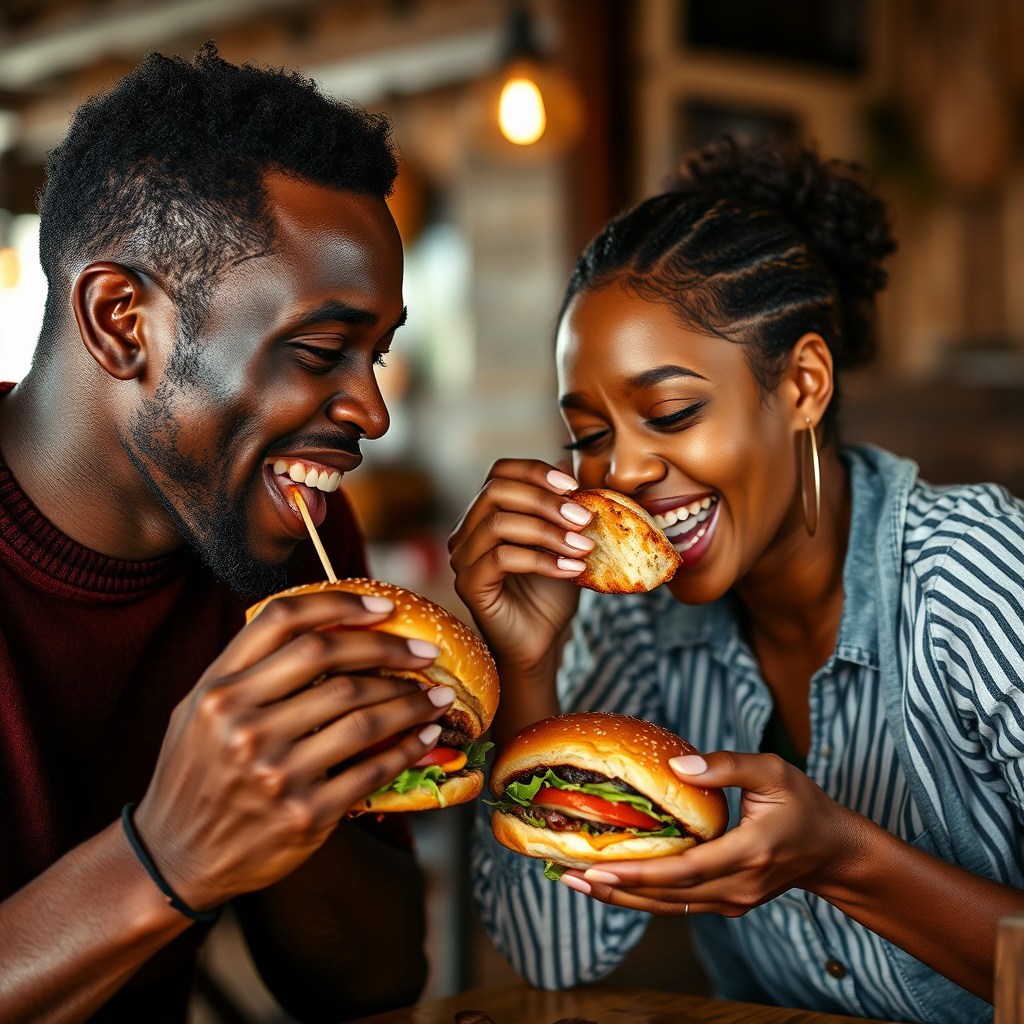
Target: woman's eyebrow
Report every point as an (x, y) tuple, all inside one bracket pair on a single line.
[(658, 374)]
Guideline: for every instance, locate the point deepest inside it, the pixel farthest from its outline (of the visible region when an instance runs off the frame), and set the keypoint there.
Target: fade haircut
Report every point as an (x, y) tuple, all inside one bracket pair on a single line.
[(164, 173)]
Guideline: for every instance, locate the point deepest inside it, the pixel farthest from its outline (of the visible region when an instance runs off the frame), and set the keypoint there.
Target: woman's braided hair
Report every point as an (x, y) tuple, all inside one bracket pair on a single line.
[(756, 244)]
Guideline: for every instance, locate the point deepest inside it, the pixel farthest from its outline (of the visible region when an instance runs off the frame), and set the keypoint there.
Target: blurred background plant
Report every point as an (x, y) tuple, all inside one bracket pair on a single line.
[(523, 127)]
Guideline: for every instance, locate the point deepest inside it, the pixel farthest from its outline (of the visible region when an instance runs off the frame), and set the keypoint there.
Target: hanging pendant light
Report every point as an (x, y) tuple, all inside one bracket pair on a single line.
[(528, 108)]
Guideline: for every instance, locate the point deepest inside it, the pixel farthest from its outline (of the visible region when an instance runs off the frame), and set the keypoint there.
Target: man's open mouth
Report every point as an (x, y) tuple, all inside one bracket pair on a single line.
[(312, 480), (308, 473)]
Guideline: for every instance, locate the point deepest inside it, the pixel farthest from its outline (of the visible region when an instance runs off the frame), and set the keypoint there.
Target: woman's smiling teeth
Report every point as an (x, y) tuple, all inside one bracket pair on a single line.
[(684, 525), (311, 476)]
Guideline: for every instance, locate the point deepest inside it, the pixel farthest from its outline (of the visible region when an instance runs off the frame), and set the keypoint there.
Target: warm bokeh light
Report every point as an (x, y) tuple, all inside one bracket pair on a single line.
[(521, 113), (10, 268)]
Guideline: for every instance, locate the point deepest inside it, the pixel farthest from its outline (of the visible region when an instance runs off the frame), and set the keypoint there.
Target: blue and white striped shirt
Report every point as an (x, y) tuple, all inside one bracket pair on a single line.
[(960, 601)]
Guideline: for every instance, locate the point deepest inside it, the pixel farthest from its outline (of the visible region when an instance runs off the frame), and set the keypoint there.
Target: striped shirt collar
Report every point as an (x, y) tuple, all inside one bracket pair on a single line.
[(714, 625)]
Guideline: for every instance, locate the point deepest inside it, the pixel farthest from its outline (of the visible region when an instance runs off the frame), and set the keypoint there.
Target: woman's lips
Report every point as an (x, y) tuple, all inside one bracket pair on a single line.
[(693, 544)]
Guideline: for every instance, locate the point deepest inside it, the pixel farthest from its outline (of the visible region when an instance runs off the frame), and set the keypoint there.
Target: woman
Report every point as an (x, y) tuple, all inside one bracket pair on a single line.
[(843, 638)]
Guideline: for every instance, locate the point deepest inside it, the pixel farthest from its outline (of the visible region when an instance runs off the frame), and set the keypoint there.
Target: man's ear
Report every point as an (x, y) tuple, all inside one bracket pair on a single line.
[(111, 305), (809, 376)]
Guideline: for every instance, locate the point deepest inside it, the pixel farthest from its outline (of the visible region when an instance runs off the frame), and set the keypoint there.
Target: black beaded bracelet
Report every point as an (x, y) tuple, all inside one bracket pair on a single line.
[(161, 883)]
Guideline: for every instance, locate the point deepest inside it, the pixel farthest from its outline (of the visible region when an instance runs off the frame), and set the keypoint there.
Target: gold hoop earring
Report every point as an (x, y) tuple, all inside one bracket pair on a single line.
[(812, 530)]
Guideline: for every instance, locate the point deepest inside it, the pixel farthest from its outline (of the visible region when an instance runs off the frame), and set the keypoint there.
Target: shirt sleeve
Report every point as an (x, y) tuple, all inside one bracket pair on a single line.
[(554, 937), (969, 662)]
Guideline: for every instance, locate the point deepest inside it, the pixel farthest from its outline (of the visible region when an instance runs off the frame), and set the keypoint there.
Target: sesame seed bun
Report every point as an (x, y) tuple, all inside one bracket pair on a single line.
[(631, 554), (464, 663), (619, 747)]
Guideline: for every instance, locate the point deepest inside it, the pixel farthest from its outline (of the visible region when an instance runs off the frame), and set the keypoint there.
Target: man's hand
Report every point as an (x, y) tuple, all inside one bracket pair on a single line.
[(240, 796)]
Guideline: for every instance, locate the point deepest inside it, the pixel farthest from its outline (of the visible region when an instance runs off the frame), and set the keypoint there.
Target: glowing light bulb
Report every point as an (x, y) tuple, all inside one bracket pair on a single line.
[(521, 114)]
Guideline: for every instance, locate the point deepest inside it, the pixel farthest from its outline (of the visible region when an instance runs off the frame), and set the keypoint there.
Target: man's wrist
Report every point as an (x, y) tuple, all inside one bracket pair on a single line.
[(148, 909)]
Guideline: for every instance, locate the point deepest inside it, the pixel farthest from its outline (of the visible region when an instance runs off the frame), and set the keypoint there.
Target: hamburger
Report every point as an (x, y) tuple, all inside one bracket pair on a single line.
[(579, 789), (631, 554), (451, 773)]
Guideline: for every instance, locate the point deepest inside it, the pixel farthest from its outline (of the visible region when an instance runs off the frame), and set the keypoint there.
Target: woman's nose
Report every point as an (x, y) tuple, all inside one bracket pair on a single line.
[(630, 471)]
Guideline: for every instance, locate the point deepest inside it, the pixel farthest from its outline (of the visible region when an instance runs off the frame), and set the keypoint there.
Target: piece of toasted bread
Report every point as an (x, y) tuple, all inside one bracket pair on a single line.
[(631, 555)]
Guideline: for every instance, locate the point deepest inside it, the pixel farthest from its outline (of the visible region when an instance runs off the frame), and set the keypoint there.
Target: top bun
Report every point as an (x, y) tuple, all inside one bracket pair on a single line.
[(620, 747), (631, 555), (464, 663)]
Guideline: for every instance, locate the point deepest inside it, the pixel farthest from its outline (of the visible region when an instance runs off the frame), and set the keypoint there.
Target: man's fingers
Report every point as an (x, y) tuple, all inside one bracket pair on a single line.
[(285, 618), (327, 653), (328, 700), (759, 773), (333, 797), (347, 737)]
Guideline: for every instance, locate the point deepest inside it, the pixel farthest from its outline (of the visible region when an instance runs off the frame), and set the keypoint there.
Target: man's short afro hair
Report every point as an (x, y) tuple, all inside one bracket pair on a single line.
[(164, 172)]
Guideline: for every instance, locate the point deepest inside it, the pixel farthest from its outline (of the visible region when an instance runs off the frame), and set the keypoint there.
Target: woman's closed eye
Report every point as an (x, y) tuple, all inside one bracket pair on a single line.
[(583, 443), (676, 419)]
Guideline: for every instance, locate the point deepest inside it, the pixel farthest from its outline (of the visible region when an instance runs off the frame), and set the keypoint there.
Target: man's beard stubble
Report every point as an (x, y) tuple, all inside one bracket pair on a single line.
[(204, 499)]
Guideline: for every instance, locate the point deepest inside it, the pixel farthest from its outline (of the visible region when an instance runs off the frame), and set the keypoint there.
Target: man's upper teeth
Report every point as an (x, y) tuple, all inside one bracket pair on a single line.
[(698, 511), (301, 473)]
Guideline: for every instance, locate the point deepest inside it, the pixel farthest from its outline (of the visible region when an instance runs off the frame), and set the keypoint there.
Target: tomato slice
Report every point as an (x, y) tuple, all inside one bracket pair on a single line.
[(439, 755), (595, 808)]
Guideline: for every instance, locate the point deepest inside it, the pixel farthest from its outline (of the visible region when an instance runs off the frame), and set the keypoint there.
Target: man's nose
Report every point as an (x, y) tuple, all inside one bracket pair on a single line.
[(367, 413)]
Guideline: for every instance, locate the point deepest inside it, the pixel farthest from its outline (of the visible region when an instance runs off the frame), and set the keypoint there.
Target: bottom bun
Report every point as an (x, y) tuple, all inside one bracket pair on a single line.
[(580, 849), (457, 790)]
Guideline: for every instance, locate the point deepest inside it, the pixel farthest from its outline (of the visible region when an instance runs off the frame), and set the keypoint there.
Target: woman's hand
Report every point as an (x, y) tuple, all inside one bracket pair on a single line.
[(514, 553), (790, 835)]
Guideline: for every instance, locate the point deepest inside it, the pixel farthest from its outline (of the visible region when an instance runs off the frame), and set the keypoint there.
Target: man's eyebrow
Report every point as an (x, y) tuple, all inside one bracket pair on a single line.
[(649, 378), (343, 313)]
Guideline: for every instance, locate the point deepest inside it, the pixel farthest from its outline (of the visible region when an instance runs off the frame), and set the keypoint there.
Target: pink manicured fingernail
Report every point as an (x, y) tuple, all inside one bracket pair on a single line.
[(688, 764), (423, 648), (578, 541), (575, 514), (429, 733), (440, 696), (571, 565), (604, 877), (561, 481), (378, 605), (576, 883)]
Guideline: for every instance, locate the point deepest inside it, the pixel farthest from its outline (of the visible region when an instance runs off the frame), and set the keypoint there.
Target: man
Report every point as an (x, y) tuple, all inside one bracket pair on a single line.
[(223, 275)]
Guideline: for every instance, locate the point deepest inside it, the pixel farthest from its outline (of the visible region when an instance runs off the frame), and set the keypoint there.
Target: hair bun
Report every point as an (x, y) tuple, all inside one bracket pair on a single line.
[(828, 201)]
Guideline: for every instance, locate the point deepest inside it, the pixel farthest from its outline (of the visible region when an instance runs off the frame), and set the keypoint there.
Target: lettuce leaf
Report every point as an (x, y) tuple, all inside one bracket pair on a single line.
[(414, 778), (553, 871), (523, 793), (476, 754), (432, 775)]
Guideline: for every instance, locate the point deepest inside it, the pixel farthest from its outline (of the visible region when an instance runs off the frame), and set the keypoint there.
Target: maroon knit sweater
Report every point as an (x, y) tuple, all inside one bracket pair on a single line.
[(94, 655)]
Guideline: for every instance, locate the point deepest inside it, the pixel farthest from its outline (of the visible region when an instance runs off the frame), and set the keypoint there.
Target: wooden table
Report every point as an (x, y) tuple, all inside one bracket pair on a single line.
[(516, 1003)]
